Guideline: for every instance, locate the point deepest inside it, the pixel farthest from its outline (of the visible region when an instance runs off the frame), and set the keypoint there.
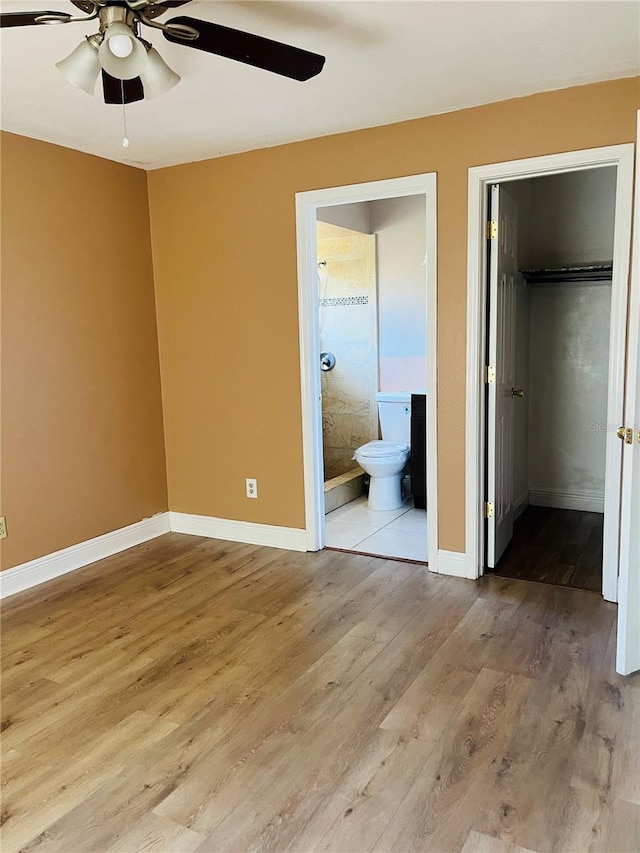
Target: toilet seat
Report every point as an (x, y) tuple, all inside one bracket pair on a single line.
[(380, 449)]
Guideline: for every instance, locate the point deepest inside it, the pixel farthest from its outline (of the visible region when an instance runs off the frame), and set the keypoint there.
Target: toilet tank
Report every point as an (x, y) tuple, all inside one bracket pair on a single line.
[(394, 412)]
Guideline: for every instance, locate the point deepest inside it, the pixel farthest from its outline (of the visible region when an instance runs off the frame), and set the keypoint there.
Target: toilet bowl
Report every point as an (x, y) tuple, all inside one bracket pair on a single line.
[(384, 462)]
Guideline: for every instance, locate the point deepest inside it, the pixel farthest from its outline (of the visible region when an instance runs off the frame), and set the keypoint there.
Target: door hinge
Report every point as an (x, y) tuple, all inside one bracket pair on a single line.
[(488, 510), (626, 434), (489, 374), (492, 229)]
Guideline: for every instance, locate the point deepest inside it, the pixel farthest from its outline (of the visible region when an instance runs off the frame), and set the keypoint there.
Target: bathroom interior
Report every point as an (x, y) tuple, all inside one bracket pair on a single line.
[(373, 362)]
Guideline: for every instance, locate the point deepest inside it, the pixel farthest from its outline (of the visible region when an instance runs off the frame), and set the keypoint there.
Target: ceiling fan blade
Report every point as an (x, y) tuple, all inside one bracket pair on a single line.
[(113, 89), (27, 19), (154, 8), (86, 6), (253, 50)]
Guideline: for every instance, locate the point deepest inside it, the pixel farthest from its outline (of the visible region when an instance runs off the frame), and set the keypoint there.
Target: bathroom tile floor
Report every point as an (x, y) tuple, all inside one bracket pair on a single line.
[(399, 533)]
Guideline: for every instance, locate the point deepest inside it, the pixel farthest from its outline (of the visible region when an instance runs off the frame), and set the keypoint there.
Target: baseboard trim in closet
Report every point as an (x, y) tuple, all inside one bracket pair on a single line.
[(582, 501)]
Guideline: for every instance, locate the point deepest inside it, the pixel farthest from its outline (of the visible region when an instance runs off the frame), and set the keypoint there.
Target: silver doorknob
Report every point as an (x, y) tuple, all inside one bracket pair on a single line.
[(517, 392), (327, 361)]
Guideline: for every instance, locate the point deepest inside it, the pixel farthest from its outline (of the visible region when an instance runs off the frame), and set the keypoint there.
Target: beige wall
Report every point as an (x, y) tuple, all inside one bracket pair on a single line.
[(227, 312), (82, 435)]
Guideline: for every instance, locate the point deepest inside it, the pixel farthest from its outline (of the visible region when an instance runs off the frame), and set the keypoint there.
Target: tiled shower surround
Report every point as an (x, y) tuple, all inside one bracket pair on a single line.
[(348, 329)]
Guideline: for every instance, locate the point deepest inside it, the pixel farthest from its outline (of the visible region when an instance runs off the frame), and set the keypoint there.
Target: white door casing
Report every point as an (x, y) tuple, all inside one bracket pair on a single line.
[(501, 361), (628, 646), (480, 178), (306, 207)]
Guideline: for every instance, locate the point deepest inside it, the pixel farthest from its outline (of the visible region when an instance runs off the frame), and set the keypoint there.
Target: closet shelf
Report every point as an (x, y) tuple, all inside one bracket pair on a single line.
[(585, 272)]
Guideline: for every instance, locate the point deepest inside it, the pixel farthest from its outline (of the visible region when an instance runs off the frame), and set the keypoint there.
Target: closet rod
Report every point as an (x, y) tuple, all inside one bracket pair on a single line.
[(582, 272)]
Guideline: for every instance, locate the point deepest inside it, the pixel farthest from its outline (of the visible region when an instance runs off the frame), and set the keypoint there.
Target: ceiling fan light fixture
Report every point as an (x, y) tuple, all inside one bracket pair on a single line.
[(157, 78), (82, 66), (125, 57), (121, 54)]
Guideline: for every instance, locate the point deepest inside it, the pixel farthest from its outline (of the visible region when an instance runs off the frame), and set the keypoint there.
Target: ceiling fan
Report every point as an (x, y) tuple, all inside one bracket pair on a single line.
[(132, 69)]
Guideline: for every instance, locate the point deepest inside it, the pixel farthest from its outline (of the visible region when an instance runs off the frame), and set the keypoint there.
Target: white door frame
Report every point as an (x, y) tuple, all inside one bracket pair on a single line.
[(480, 178), (307, 204)]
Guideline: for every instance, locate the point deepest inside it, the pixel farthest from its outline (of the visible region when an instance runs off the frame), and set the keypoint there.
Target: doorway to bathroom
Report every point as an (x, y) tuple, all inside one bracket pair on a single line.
[(367, 295)]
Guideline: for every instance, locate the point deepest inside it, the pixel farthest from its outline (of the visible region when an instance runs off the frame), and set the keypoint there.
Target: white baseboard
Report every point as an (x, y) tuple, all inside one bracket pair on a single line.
[(453, 563), (27, 575), (520, 504), (583, 501), (291, 538), (51, 566)]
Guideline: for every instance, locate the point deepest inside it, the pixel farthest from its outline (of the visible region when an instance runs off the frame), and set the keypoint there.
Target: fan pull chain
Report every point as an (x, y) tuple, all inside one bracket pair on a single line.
[(125, 138)]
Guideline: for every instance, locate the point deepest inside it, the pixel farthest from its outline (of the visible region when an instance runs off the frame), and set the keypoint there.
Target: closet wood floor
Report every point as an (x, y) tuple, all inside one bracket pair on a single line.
[(558, 546), (192, 694)]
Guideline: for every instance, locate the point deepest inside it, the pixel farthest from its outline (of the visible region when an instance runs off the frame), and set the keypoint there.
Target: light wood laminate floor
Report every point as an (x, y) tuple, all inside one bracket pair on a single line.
[(191, 694)]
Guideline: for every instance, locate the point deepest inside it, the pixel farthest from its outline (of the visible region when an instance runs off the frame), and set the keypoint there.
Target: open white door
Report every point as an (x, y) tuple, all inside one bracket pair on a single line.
[(501, 372), (628, 657)]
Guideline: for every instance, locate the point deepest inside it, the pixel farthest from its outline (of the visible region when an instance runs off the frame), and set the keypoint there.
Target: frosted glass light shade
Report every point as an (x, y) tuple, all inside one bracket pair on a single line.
[(122, 67), (157, 78), (81, 67)]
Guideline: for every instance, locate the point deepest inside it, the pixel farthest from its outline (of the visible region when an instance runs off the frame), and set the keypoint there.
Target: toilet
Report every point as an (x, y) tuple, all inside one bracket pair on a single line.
[(384, 461)]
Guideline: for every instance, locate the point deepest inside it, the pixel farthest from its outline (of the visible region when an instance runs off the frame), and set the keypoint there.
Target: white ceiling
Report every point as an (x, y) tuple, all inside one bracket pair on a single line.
[(386, 61)]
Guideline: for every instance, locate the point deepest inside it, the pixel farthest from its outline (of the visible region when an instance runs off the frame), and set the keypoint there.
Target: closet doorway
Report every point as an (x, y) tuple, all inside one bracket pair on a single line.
[(495, 318), (549, 298)]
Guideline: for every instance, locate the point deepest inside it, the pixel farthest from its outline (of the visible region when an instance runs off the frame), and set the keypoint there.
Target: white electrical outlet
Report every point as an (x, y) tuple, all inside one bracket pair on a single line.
[(252, 488)]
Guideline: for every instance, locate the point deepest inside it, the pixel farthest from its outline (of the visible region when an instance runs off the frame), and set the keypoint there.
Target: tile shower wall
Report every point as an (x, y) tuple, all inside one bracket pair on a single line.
[(348, 329)]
